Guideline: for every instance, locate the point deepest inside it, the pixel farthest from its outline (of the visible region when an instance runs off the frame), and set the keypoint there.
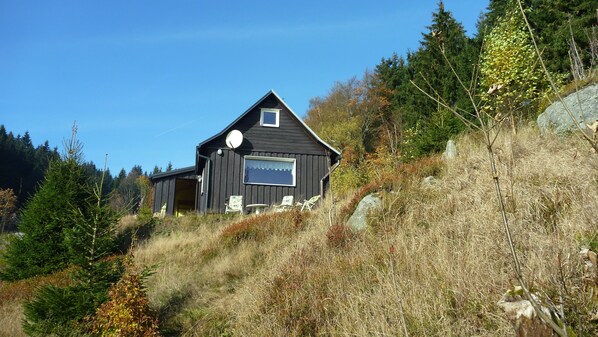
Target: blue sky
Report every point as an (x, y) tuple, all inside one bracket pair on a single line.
[(146, 81)]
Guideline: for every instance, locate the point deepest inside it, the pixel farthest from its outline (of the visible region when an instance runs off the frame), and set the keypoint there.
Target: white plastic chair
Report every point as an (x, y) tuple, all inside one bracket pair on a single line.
[(235, 204), (309, 204), (285, 205)]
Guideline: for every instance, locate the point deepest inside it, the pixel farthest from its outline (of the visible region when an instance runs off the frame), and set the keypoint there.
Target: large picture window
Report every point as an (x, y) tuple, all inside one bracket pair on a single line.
[(269, 171)]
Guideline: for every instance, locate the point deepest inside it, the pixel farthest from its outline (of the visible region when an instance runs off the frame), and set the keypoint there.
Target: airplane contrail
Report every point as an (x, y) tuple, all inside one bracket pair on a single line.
[(173, 129)]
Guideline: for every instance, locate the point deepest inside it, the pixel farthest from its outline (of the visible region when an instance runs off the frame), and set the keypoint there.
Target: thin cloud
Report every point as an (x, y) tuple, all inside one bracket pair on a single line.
[(173, 129)]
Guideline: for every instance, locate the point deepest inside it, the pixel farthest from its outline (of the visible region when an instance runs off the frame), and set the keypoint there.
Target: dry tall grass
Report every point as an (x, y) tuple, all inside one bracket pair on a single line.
[(13, 294), (450, 259), (434, 260)]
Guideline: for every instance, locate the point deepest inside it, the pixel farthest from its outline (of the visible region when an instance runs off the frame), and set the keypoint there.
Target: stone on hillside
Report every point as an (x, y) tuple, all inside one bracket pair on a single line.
[(521, 312), (589, 259), (451, 150), (358, 219), (429, 181), (584, 106)]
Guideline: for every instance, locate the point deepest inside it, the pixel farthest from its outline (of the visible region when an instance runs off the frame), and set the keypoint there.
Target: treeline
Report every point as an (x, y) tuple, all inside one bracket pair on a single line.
[(23, 165), (400, 110)]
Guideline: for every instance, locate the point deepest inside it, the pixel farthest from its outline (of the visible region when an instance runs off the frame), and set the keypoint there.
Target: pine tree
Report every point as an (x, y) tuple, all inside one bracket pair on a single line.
[(61, 311), (22, 166), (430, 71), (156, 170), (41, 249)]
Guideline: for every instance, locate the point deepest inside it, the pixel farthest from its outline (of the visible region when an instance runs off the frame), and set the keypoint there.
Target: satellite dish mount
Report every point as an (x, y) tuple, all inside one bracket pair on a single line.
[(234, 139)]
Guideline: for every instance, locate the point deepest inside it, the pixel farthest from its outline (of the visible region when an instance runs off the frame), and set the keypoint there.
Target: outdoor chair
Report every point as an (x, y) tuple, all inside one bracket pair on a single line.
[(162, 212), (285, 205), (234, 204), (309, 204)]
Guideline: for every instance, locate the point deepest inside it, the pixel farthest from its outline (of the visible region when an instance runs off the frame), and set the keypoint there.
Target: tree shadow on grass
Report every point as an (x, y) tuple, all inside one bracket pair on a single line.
[(134, 235), (167, 313)]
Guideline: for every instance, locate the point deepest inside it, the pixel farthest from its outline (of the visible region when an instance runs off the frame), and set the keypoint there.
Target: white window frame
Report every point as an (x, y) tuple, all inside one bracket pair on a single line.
[(275, 111), (278, 159)]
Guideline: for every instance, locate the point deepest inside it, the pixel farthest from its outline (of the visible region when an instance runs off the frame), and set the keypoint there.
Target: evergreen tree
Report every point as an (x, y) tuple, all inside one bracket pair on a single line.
[(61, 311), (128, 194), (89, 240), (431, 71), (393, 74), (156, 170), (42, 249), (21, 165), (122, 174)]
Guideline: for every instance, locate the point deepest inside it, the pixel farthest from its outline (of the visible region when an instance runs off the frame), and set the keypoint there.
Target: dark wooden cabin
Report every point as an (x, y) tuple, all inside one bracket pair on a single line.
[(279, 155), (177, 189)]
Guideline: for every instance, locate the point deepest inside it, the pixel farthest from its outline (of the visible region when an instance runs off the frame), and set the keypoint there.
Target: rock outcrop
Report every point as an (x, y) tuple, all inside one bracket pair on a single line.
[(584, 106), (358, 219)]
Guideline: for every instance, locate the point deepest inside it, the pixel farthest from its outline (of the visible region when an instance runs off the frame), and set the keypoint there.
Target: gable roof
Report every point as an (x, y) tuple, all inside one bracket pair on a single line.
[(337, 154)]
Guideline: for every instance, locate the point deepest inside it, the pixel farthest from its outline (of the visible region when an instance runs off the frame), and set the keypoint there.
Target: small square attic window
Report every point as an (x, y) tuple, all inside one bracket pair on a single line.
[(270, 117)]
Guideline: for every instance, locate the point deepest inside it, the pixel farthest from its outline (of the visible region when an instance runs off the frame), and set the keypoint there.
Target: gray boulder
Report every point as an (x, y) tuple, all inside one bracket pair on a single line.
[(584, 106), (358, 219), (451, 150), (429, 181)]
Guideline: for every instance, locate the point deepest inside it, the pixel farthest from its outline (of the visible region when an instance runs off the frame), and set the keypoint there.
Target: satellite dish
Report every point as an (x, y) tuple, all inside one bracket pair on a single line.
[(234, 139)]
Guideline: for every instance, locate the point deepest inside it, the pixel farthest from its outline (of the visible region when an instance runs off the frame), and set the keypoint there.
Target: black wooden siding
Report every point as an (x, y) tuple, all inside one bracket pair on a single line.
[(289, 137), (165, 189), (227, 179), (162, 194), (289, 140)]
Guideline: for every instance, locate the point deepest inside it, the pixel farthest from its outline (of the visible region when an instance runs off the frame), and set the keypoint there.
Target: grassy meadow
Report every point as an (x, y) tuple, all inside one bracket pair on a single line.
[(432, 262)]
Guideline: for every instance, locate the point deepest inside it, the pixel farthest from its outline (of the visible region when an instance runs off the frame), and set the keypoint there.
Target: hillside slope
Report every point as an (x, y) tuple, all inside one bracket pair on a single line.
[(291, 274), (433, 260)]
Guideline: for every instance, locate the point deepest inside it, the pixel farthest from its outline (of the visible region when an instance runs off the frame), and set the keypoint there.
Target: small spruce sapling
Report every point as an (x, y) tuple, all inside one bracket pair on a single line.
[(90, 240), (41, 249)]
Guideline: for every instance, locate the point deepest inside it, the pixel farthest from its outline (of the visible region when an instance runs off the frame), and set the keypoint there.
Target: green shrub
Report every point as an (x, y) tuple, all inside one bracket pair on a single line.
[(145, 216)]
